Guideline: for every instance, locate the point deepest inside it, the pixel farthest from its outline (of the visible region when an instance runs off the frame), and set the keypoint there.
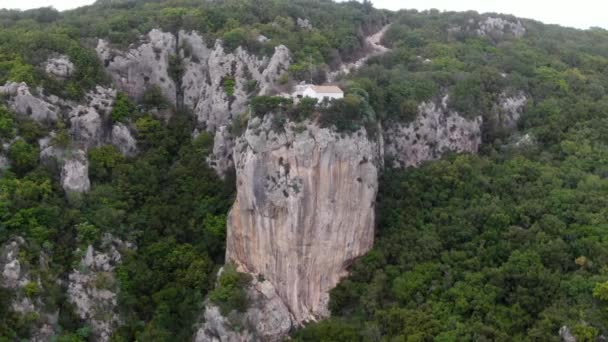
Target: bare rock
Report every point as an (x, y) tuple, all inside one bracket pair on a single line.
[(88, 121), (216, 83), (304, 210), (510, 109), (221, 158), (135, 70), (4, 163), (304, 24), (59, 66), (14, 276), (266, 319), (75, 173), (21, 101), (435, 131), (566, 335), (92, 287), (498, 27), (123, 140)]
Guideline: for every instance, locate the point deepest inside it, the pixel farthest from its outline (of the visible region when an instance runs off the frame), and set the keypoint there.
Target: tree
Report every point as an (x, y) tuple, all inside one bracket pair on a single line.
[(23, 157)]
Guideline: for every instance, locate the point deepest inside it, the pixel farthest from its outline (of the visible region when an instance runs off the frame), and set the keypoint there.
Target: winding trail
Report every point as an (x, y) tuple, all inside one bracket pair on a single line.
[(375, 48)]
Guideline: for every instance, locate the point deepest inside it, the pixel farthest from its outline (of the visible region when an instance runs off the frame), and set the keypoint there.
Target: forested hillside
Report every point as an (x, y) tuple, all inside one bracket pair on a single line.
[(507, 244)]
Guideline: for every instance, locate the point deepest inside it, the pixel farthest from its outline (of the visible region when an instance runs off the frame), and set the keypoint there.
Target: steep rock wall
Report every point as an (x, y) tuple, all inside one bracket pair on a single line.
[(304, 210)]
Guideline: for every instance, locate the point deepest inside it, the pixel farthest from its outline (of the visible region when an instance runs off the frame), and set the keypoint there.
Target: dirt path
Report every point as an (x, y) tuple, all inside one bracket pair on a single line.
[(375, 48)]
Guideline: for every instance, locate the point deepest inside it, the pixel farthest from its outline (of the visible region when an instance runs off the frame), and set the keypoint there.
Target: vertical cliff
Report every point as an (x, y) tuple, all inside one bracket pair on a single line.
[(303, 212)]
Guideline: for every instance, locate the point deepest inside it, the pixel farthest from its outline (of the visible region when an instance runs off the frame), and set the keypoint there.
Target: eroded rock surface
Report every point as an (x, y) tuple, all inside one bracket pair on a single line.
[(89, 126), (215, 85), (267, 318), (92, 287), (59, 66), (75, 173), (15, 276), (435, 131), (304, 210), (496, 28), (21, 100)]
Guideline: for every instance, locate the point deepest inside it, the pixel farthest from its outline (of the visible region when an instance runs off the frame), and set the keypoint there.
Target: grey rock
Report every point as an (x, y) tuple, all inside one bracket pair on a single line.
[(21, 101), (15, 276), (266, 319), (221, 158), (75, 173), (59, 66), (497, 27), (566, 335), (510, 109), (304, 24), (4, 163), (92, 287), (123, 140), (135, 70), (205, 71), (435, 131)]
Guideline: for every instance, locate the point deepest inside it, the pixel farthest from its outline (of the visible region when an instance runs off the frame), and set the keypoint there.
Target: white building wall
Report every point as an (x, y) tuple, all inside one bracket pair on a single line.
[(309, 92)]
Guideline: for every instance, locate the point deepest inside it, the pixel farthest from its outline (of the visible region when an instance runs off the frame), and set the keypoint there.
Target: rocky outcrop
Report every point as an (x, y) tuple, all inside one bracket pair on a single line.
[(148, 64), (92, 287), (15, 276), (495, 28), (59, 67), (215, 85), (304, 210), (566, 335), (75, 173), (123, 140), (207, 73), (435, 131), (223, 144), (266, 319), (89, 126), (499, 27), (510, 109), (21, 100)]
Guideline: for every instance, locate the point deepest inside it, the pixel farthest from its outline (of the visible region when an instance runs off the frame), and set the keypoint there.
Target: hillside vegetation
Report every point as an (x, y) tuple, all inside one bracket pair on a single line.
[(510, 244)]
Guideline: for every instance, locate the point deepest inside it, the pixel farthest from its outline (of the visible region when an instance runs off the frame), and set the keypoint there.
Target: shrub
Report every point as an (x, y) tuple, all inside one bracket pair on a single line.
[(24, 157), (262, 105), (123, 108), (7, 124), (230, 294), (153, 98)]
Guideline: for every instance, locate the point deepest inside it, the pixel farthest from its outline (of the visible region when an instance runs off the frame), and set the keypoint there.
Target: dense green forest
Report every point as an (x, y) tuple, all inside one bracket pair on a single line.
[(511, 244)]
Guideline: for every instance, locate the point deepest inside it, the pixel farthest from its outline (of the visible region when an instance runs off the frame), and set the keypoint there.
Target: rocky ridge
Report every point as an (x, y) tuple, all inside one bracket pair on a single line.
[(215, 84)]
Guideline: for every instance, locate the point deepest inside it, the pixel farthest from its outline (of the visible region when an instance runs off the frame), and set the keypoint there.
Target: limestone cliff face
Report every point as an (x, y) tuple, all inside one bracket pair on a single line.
[(437, 130), (304, 210), (215, 85)]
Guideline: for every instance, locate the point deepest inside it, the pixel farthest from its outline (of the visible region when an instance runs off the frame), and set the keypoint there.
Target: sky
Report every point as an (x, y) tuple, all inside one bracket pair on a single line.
[(580, 13)]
